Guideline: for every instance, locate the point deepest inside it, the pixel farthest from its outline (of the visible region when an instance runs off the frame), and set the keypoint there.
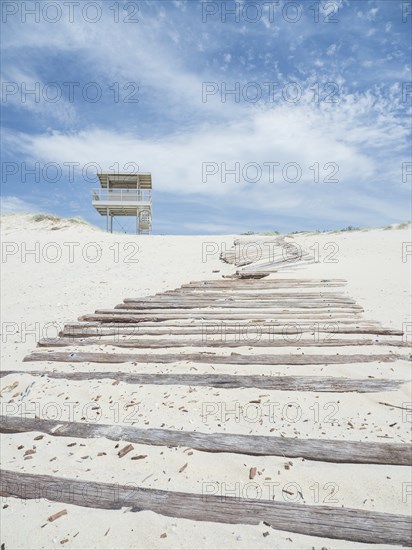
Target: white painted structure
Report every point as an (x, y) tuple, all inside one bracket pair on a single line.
[(125, 195)]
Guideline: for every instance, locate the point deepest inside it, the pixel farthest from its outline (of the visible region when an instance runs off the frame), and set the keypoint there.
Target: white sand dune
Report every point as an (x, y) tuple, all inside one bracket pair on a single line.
[(53, 271)]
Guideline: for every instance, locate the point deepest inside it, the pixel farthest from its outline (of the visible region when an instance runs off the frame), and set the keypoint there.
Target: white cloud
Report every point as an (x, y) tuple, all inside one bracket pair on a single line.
[(361, 135), (331, 50), (180, 4), (372, 13), (13, 205), (26, 90), (150, 58)]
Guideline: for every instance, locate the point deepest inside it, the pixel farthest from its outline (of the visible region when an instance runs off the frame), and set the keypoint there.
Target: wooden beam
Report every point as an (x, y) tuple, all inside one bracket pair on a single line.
[(245, 295), (257, 287), (305, 323), (228, 381), (327, 450), (242, 293), (268, 282), (315, 520), (160, 343), (268, 285), (227, 297), (250, 275), (254, 302), (211, 358), (117, 315), (81, 330), (223, 296), (252, 305), (242, 313), (235, 298)]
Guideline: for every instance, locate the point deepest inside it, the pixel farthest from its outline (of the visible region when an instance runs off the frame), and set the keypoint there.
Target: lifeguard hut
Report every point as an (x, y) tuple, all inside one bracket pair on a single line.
[(125, 195)]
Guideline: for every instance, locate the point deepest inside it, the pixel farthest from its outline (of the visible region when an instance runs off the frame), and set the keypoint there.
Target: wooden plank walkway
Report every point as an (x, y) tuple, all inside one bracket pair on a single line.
[(198, 311)]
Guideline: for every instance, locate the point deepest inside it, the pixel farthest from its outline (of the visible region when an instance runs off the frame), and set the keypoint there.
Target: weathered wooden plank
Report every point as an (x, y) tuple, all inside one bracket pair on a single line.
[(263, 252), (246, 297), (236, 298), (255, 305), (238, 295), (233, 324), (321, 521), (326, 450), (268, 282), (164, 301), (211, 358), (258, 252), (247, 294), (231, 282), (275, 319), (122, 315), (233, 285), (357, 323), (161, 343), (250, 275), (229, 381), (259, 287), (81, 330), (227, 296), (271, 266), (279, 311)]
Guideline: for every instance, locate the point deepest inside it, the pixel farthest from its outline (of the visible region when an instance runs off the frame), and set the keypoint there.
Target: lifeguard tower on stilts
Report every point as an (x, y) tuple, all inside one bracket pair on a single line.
[(125, 195)]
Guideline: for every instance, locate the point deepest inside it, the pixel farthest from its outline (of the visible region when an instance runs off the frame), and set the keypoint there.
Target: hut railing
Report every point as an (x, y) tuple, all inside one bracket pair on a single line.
[(122, 195)]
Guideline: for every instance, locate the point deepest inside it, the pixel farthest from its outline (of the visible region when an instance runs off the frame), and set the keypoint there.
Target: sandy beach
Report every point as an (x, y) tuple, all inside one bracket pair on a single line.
[(57, 282)]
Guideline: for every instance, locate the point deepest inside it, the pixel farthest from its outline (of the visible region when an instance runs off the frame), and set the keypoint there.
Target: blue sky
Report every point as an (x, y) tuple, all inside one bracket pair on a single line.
[(322, 92)]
